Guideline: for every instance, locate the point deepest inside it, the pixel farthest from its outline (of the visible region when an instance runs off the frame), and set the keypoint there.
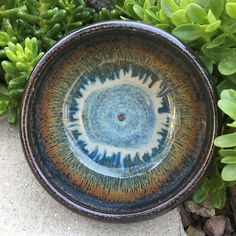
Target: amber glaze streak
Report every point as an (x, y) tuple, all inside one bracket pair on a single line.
[(192, 138), (129, 190)]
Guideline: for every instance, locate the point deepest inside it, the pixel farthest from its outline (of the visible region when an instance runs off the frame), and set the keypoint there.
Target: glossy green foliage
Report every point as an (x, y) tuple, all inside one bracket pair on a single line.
[(215, 184), (46, 20), (227, 141), (20, 60), (105, 15), (212, 187), (207, 26)]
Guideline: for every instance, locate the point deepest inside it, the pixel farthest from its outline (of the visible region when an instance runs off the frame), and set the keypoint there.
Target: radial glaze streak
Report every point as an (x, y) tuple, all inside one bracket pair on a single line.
[(117, 126), (119, 120), (83, 148)]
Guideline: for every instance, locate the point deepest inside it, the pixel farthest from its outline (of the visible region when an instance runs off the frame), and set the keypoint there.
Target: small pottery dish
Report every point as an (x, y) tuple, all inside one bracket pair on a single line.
[(118, 121)]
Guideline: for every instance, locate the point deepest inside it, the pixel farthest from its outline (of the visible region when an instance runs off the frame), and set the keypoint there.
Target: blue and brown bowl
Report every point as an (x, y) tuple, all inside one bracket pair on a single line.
[(118, 121)]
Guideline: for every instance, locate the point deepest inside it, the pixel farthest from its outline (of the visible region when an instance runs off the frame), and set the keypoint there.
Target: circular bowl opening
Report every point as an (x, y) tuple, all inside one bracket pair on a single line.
[(118, 121)]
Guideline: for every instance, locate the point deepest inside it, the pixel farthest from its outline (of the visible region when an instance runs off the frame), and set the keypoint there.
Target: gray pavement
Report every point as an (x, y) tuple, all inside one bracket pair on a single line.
[(26, 209)]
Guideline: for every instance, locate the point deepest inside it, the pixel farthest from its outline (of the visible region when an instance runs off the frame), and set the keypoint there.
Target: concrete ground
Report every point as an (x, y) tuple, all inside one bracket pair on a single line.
[(26, 209)]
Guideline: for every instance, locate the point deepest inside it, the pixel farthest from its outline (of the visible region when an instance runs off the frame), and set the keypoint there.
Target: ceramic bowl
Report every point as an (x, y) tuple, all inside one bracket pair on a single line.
[(118, 121)]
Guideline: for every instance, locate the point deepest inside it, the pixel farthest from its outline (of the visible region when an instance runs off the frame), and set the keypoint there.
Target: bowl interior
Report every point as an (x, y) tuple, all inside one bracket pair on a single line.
[(119, 119)]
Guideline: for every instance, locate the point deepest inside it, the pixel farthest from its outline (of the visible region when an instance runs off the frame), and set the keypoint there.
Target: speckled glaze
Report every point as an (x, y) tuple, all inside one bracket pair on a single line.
[(118, 121)]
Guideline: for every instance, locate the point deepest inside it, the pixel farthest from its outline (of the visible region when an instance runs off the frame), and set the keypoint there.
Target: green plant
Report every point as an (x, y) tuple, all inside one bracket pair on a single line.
[(209, 28), (215, 184), (104, 15), (21, 61), (28, 28), (227, 142), (212, 187)]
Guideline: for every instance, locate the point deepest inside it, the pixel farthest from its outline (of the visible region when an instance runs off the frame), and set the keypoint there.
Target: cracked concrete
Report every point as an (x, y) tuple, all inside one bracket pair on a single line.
[(26, 209)]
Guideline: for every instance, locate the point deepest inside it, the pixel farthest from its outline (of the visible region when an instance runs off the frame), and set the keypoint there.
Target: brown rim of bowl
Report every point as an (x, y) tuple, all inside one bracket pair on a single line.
[(29, 89)]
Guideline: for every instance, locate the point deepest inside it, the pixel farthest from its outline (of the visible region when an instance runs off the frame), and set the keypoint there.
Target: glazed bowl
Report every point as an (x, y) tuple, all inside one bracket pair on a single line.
[(118, 121)]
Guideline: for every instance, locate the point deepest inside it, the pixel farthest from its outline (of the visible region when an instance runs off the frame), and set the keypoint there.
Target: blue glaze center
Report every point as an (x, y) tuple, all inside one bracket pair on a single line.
[(118, 121), (120, 116)]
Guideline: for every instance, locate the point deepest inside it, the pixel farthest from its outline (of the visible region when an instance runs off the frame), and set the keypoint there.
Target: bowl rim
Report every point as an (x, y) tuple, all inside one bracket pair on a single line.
[(29, 89)]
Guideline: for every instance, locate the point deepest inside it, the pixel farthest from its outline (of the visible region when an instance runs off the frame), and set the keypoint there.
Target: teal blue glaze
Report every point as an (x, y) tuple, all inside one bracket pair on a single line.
[(118, 125), (104, 107), (101, 174)]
